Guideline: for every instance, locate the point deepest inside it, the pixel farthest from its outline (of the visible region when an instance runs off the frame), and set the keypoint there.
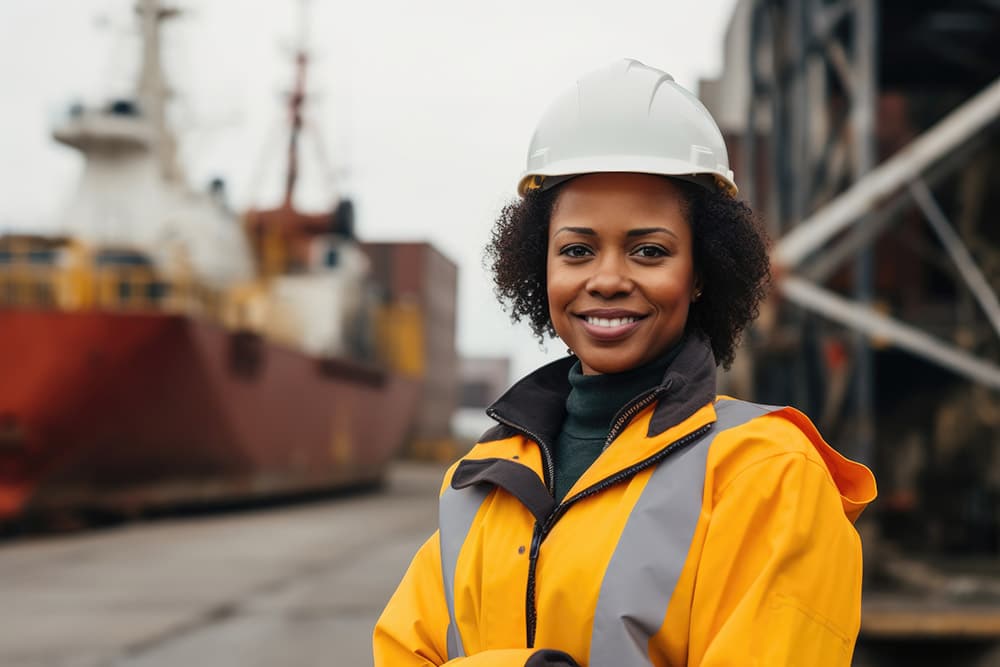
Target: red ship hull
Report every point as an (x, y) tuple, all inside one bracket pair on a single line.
[(126, 411)]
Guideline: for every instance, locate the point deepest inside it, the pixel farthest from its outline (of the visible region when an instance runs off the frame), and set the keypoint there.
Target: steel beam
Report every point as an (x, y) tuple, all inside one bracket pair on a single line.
[(963, 260), (906, 165), (874, 324), (825, 264), (855, 240)]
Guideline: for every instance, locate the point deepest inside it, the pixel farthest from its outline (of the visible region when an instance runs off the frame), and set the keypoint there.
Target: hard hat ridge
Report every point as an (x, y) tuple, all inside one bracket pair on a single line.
[(627, 117), (661, 78)]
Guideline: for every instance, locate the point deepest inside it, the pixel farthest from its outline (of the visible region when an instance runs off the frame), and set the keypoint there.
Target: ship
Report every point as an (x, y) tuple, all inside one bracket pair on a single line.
[(163, 351)]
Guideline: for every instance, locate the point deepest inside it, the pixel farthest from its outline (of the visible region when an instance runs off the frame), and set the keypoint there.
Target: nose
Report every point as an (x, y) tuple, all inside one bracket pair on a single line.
[(610, 278)]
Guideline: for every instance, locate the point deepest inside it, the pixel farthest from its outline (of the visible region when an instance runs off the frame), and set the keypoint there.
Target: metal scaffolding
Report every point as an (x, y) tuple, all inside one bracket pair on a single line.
[(867, 133), (811, 110)]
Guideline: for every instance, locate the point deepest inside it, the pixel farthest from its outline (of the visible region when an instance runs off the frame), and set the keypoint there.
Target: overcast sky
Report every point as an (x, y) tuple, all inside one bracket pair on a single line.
[(422, 110)]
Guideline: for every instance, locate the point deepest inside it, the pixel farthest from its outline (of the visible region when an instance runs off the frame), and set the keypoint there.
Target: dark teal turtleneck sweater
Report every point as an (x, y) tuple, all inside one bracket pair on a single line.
[(592, 404)]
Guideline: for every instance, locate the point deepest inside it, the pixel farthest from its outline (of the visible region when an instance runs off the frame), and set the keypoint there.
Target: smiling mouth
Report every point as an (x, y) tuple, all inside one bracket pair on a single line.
[(610, 323), (610, 329)]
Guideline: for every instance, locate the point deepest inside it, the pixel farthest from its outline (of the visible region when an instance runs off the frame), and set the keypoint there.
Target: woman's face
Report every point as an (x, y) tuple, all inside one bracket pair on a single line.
[(620, 271)]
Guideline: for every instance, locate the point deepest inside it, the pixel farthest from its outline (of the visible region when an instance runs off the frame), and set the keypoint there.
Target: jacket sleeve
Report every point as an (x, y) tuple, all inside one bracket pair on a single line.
[(412, 629), (779, 579)]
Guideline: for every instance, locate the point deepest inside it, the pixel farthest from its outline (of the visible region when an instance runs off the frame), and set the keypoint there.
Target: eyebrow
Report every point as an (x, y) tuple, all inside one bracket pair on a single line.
[(649, 230), (643, 231), (577, 230)]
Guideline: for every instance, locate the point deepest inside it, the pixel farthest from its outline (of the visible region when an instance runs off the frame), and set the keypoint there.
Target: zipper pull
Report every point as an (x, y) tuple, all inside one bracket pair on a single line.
[(536, 542)]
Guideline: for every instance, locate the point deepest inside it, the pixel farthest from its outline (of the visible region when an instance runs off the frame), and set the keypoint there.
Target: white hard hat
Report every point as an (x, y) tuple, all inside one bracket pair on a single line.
[(627, 117)]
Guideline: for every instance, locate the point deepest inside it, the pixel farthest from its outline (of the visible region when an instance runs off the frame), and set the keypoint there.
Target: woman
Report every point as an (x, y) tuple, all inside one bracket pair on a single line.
[(621, 513)]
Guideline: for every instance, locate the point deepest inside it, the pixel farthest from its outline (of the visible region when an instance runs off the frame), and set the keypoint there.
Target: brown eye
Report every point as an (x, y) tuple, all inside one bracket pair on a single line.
[(575, 251), (650, 251)]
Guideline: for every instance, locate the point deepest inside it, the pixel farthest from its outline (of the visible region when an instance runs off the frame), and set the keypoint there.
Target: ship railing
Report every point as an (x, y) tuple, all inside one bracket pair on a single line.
[(36, 279), (140, 289), (26, 275)]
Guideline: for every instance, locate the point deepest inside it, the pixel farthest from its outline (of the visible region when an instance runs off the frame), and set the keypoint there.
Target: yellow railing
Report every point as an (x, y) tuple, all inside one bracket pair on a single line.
[(71, 280), (25, 285)]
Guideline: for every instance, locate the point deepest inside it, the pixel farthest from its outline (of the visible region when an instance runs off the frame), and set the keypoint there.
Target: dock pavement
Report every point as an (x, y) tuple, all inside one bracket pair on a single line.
[(292, 585)]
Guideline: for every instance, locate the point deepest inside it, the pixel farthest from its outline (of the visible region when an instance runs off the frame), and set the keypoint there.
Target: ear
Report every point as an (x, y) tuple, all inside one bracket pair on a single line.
[(696, 288)]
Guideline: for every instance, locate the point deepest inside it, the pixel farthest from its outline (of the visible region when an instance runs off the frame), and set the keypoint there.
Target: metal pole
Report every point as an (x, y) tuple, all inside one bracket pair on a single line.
[(778, 211), (863, 125), (797, 187), (748, 177), (799, 117)]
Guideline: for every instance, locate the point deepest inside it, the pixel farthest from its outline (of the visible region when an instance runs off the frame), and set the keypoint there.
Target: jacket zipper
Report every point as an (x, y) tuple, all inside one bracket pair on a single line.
[(549, 466), (625, 415), (549, 476), (542, 530)]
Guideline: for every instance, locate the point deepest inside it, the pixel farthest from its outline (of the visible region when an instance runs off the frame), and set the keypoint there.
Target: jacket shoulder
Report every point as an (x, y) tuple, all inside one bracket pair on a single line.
[(760, 435), (758, 432), (780, 436)]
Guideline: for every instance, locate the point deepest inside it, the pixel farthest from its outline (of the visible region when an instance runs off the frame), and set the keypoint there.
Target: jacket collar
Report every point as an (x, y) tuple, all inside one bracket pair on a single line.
[(688, 384), (537, 403)]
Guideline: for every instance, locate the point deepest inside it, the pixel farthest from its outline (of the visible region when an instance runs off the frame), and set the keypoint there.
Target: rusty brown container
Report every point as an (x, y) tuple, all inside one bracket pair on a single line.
[(418, 275)]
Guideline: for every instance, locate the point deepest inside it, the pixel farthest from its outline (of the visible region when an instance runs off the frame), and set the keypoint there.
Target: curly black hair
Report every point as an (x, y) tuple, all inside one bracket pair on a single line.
[(729, 245)]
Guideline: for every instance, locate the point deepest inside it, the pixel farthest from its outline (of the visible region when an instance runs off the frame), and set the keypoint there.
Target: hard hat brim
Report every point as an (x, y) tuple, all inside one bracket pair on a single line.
[(622, 164)]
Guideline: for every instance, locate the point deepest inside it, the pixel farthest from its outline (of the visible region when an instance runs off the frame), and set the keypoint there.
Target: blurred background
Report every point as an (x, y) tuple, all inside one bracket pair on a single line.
[(241, 262)]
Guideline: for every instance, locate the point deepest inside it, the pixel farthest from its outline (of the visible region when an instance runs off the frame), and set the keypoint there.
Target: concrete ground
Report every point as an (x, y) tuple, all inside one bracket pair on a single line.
[(291, 585)]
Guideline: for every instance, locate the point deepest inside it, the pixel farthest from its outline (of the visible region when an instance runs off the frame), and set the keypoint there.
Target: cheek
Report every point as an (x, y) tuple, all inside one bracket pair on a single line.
[(686, 277), (675, 290), (554, 286), (557, 309), (560, 293)]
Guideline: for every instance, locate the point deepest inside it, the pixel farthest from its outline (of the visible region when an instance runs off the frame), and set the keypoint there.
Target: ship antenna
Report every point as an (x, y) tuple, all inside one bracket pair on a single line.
[(152, 90), (295, 103)]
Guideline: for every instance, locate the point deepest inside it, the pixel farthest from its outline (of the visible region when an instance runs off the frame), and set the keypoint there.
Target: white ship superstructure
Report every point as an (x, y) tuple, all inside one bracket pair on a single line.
[(132, 192)]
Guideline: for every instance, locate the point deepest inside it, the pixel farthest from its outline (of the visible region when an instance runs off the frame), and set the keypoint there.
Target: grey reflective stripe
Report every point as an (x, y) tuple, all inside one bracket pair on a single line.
[(653, 547), (456, 511)]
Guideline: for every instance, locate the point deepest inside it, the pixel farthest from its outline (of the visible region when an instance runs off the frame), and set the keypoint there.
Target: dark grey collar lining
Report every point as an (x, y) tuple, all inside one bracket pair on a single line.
[(689, 384), (537, 403)]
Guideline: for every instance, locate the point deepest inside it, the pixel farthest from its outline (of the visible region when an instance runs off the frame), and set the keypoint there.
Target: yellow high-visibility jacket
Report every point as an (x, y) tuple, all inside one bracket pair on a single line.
[(709, 532)]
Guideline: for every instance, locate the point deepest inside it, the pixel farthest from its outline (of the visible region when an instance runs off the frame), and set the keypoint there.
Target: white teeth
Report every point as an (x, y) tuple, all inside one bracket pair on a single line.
[(605, 322)]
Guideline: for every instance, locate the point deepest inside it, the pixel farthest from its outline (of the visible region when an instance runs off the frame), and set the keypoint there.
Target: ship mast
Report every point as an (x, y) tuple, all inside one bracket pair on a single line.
[(152, 90), (296, 102)]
